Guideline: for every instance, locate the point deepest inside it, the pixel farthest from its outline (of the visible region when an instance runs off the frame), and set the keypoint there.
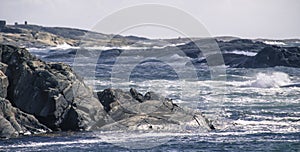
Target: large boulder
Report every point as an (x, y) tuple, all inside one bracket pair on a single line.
[(51, 92), (131, 110), (14, 122)]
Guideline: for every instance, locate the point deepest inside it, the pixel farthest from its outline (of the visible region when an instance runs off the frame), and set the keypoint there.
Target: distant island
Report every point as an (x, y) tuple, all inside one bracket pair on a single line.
[(253, 53)]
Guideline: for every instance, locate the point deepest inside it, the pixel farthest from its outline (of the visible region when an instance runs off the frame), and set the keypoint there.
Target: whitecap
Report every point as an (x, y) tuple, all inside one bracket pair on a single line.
[(247, 53), (274, 43), (265, 80), (63, 46)]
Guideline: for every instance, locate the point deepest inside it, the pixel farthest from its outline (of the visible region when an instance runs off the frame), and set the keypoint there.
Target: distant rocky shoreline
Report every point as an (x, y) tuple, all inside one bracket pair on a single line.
[(235, 51), (38, 97)]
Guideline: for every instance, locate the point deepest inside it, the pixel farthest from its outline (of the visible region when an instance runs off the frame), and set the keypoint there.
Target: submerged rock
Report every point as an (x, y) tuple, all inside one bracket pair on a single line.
[(51, 92), (130, 110)]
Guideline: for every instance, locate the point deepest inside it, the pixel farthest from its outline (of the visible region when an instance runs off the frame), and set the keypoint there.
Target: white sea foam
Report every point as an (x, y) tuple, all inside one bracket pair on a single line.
[(37, 49), (282, 119), (247, 53), (128, 47), (265, 80), (266, 122), (41, 144), (177, 44), (274, 43), (64, 46), (117, 47)]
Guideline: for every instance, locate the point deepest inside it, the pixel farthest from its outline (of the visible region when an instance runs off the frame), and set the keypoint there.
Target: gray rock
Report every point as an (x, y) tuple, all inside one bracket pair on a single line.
[(274, 56), (14, 122), (128, 112), (53, 95), (137, 96), (112, 101), (51, 92), (3, 85), (3, 67)]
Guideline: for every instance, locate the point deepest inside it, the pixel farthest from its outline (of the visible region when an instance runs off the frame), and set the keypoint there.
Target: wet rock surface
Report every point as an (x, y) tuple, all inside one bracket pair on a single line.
[(133, 111), (50, 91), (14, 122), (38, 97)]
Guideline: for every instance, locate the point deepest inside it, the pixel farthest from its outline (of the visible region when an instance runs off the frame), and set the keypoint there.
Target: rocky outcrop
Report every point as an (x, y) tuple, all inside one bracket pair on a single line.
[(14, 122), (40, 37), (274, 56), (134, 111), (15, 35), (43, 95), (192, 49), (50, 91), (267, 57)]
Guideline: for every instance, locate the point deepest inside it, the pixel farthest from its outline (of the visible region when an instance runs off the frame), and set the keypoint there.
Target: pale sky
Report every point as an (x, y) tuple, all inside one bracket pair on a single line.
[(275, 19)]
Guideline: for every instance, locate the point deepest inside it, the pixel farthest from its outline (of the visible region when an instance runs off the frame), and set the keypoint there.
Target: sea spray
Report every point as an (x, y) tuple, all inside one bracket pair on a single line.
[(270, 80)]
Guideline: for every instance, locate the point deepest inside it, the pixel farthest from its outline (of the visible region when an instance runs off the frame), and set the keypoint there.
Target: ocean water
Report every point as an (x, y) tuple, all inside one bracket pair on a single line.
[(248, 107)]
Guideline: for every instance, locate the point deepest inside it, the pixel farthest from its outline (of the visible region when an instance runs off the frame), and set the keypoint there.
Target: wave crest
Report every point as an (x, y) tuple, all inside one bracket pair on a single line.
[(275, 79)]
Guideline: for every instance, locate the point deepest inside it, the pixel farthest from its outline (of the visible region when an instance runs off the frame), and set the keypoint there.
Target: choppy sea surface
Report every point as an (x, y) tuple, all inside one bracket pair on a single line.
[(250, 109)]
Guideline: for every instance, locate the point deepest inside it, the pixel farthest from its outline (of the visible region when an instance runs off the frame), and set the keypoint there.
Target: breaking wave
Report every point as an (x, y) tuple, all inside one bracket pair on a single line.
[(275, 79)]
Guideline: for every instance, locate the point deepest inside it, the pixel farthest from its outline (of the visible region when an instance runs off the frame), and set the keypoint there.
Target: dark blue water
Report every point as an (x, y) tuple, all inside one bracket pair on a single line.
[(249, 109)]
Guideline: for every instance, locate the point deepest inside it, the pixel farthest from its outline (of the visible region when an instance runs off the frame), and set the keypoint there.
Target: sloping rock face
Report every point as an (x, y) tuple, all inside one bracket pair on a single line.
[(134, 111), (40, 37), (16, 35), (14, 122), (51, 92)]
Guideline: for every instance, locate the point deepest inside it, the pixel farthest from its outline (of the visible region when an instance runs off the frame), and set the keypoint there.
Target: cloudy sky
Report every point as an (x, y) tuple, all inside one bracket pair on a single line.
[(244, 18)]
